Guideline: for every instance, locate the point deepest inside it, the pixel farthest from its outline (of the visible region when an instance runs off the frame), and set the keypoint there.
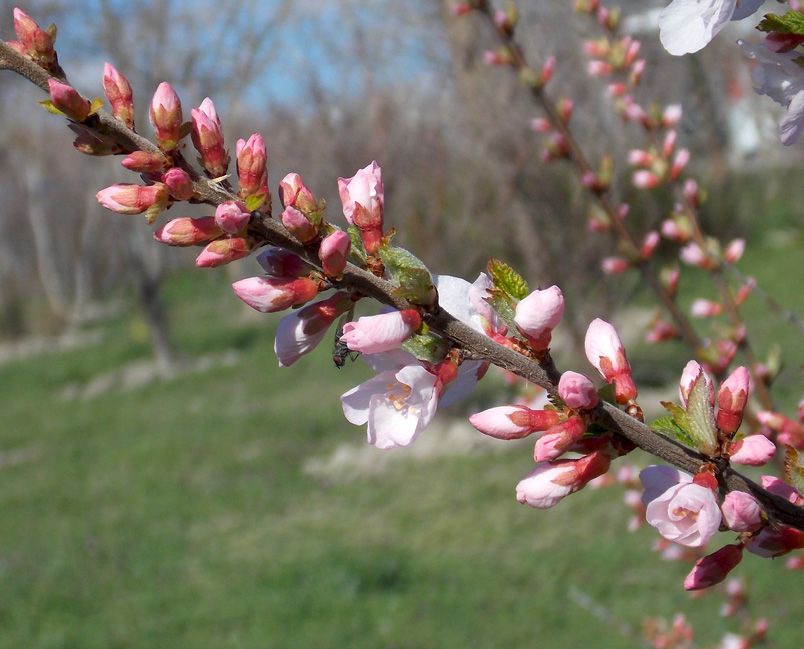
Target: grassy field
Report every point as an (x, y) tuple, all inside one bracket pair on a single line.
[(182, 514)]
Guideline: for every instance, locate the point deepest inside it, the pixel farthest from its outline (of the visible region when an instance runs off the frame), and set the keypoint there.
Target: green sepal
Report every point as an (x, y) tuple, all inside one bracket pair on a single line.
[(507, 279), (358, 249), (667, 426), (254, 201), (701, 417), (791, 23), (96, 105), (793, 471), (426, 347), (409, 273), (50, 108)]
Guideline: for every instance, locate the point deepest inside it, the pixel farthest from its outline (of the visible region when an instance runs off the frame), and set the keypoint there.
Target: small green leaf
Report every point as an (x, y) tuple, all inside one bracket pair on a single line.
[(426, 347), (50, 108), (254, 201), (701, 417), (501, 303), (507, 279), (667, 426), (409, 273), (793, 471), (96, 105), (791, 23)]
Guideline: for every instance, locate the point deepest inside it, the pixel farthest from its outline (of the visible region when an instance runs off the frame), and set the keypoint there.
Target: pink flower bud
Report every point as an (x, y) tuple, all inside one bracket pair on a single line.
[(68, 100), (132, 199), (91, 143), (207, 137), (616, 89), (781, 488), (550, 482), (644, 179), (461, 9), (598, 68), (381, 333), (166, 117), (701, 308), (690, 374), (37, 42), (731, 400), (669, 144), (333, 253), (672, 230), (565, 108), (669, 277), (363, 199), (271, 294), (279, 262), (144, 163), (693, 255), (223, 251), (649, 244), (679, 163), (252, 171), (538, 314), (671, 115), (637, 71), (606, 353), (778, 42), (631, 52), (714, 568), (754, 450), (541, 125), (548, 68), (231, 217), (640, 158), (775, 542), (298, 225), (577, 391), (294, 193), (118, 92), (558, 439), (741, 512), (734, 251), (188, 232), (178, 184), (513, 422)]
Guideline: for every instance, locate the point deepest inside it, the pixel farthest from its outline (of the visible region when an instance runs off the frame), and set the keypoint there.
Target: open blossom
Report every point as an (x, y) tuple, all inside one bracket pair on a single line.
[(686, 26), (363, 198), (679, 509), (380, 333), (605, 351), (397, 404), (550, 482), (538, 314)]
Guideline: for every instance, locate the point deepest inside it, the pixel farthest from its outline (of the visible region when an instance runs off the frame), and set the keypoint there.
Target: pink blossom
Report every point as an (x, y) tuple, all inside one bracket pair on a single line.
[(118, 92), (68, 100), (301, 331), (207, 136), (397, 404), (271, 294), (232, 217), (550, 482), (681, 511), (363, 199), (513, 422), (188, 232), (577, 391), (731, 400), (334, 253), (714, 568), (558, 439), (223, 251), (166, 116), (380, 333), (538, 314), (741, 512), (606, 353)]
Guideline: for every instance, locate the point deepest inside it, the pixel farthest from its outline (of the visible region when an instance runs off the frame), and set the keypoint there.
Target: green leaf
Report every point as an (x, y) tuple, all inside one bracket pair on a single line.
[(791, 23), (793, 471), (507, 279), (667, 426), (358, 249), (501, 303), (701, 417), (50, 108), (254, 201), (426, 347), (409, 273), (96, 105)]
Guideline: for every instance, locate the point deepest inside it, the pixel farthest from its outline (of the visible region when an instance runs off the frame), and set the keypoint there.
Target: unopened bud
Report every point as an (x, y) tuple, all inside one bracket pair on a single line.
[(207, 137), (188, 232), (166, 116), (132, 199), (143, 162), (252, 172), (231, 217), (37, 43), (118, 92), (272, 294), (178, 184), (67, 99), (223, 251), (333, 253)]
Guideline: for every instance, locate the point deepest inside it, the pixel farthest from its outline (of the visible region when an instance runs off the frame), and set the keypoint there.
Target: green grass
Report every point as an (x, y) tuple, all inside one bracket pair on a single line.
[(180, 515)]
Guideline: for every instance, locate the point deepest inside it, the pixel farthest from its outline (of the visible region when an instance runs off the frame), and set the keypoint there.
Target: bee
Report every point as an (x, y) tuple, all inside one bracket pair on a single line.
[(341, 352)]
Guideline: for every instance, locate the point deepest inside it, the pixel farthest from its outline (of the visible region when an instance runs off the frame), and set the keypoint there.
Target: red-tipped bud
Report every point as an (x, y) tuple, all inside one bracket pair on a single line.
[(702, 308), (731, 400), (132, 199), (118, 92), (614, 265), (550, 482), (640, 158), (734, 251), (548, 68), (207, 139), (37, 43), (538, 314), (689, 376), (381, 333), (333, 253), (606, 353), (294, 193), (188, 232), (252, 172), (599, 68), (298, 225), (669, 144), (143, 162), (577, 391), (178, 184), (513, 422), (558, 439), (223, 251), (679, 163), (231, 217), (754, 450), (271, 294), (714, 568), (68, 100), (649, 244), (166, 116), (644, 179), (741, 512)]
